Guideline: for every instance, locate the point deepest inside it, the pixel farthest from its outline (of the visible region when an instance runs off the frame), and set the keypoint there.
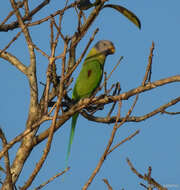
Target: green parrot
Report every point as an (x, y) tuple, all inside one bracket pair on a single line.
[(89, 78)]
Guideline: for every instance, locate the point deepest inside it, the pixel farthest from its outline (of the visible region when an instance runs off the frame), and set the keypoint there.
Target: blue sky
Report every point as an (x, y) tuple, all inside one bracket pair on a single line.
[(158, 143)]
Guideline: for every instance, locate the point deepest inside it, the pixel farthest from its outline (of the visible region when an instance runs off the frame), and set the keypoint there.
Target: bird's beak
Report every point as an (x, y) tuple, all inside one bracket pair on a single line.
[(112, 50)]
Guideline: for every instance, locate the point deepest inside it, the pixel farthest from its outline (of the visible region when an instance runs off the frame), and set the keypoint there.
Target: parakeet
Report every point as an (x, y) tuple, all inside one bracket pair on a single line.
[(89, 78)]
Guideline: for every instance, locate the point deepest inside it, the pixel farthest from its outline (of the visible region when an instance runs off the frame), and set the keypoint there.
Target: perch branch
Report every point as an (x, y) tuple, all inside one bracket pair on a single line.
[(132, 118), (106, 100)]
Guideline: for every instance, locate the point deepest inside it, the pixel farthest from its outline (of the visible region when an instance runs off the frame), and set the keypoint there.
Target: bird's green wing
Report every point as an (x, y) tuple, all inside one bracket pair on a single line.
[(88, 79)]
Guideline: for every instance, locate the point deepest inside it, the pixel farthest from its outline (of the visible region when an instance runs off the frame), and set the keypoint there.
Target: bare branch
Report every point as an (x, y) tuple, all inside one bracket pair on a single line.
[(8, 45), (124, 140), (149, 66), (19, 5), (137, 90), (147, 178), (170, 113), (8, 181), (85, 102), (116, 92), (14, 61), (59, 12), (26, 6), (6, 27), (107, 183), (40, 50), (51, 179), (132, 118)]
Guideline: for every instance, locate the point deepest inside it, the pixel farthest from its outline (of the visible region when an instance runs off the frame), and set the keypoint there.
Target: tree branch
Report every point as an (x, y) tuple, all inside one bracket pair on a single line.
[(14, 61), (8, 181), (13, 25), (147, 178), (132, 118)]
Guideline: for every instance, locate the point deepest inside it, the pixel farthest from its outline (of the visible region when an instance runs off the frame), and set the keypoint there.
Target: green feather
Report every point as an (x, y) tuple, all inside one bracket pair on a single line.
[(71, 137)]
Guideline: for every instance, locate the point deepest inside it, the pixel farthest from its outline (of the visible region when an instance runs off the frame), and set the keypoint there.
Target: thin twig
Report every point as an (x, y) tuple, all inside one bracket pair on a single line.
[(40, 50), (51, 179), (110, 74), (52, 33), (124, 140), (20, 4), (50, 111), (108, 185), (8, 45), (59, 30), (170, 113), (147, 178), (116, 92), (105, 83), (49, 69), (15, 24), (59, 12), (149, 66)]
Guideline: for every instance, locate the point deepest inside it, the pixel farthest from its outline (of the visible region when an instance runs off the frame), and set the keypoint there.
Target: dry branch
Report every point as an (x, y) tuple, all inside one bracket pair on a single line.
[(14, 61), (112, 119), (51, 179), (108, 185), (146, 177), (13, 25), (8, 181)]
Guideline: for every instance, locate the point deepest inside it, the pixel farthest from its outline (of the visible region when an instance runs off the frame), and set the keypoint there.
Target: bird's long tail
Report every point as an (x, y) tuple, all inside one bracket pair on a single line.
[(73, 125)]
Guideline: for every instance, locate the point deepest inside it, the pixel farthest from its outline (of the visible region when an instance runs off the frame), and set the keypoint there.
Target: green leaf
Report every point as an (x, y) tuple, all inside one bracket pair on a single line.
[(131, 16)]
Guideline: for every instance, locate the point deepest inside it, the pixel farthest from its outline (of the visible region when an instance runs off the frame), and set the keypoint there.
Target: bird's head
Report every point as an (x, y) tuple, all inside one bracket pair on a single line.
[(105, 47)]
